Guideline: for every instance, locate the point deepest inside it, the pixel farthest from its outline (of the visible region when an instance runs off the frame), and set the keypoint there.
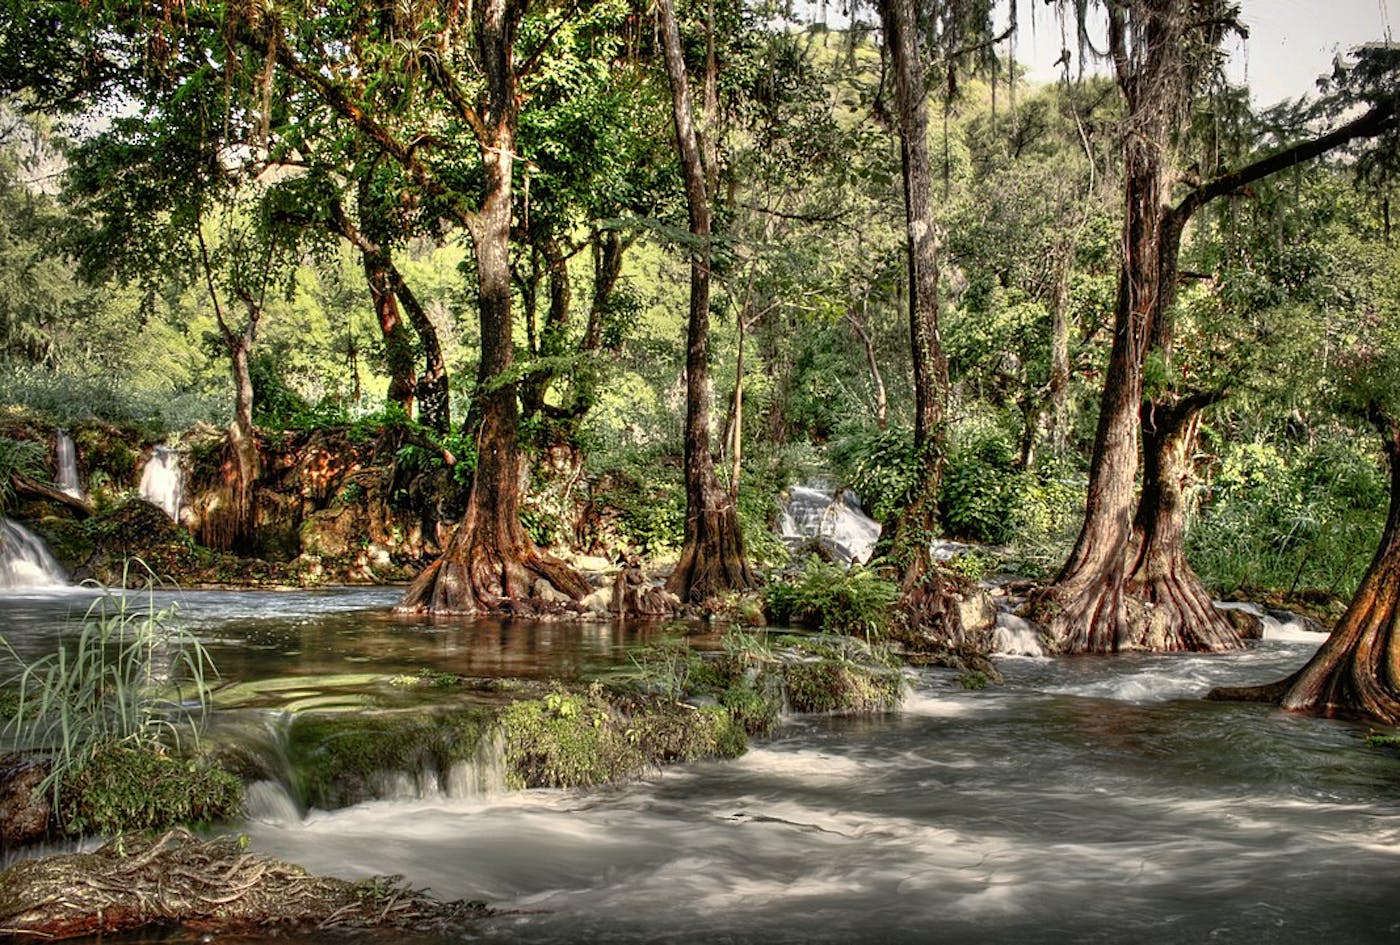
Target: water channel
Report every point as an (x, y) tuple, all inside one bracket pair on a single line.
[(1086, 800)]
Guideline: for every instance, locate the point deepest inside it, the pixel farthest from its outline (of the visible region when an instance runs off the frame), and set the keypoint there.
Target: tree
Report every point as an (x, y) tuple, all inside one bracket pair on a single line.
[(924, 599), (712, 555), (1162, 50)]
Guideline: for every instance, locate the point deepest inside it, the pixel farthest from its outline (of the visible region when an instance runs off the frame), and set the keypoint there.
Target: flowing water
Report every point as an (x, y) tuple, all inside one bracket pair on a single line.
[(26, 564), (1086, 800), (163, 481), (66, 455)]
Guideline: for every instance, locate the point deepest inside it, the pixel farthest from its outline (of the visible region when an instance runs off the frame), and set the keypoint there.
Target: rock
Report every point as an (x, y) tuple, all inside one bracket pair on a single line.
[(24, 809), (1303, 620), (546, 592), (600, 601), (1249, 626), (977, 611)]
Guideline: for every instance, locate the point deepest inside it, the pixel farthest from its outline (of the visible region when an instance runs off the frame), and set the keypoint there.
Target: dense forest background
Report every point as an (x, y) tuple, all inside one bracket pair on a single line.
[(166, 213)]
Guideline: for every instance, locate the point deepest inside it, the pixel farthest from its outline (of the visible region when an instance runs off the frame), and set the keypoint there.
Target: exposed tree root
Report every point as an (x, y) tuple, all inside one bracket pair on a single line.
[(213, 885), (712, 560)]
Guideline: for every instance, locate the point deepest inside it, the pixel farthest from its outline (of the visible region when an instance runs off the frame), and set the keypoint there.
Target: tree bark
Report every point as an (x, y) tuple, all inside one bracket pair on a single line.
[(1085, 610), (712, 556), (1357, 671), (398, 349), (434, 398), (1182, 615), (925, 602), (490, 563)]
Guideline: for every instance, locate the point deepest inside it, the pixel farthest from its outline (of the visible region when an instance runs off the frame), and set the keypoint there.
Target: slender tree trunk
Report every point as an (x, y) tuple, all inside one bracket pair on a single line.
[(434, 397), (398, 348), (490, 563), (1357, 671), (872, 361), (925, 602), (712, 557), (1059, 353)]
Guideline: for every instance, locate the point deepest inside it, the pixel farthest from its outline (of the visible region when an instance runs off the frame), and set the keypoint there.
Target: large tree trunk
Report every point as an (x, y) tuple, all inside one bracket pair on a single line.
[(712, 557), (490, 563), (1357, 671), (1085, 610), (925, 602), (1182, 615)]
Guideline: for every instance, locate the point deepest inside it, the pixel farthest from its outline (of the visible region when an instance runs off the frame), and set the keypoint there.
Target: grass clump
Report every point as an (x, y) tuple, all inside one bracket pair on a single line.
[(579, 739), (833, 685), (131, 677), (1379, 740), (829, 598)]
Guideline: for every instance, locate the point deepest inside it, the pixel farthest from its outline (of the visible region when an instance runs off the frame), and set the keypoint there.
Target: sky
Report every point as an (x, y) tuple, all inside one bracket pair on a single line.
[(1290, 44)]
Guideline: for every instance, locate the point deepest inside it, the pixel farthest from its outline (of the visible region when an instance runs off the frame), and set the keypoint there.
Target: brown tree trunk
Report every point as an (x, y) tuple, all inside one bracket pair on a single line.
[(925, 603), (398, 348), (1182, 615), (1357, 671), (712, 557), (490, 563), (1059, 352), (1085, 610)]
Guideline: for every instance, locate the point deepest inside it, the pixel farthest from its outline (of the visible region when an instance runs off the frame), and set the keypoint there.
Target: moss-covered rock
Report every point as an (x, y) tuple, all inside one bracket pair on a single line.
[(125, 788), (341, 758), (577, 739), (835, 685)]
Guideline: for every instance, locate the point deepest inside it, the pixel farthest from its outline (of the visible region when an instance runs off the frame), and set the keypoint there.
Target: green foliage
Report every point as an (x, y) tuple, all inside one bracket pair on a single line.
[(1289, 518), (855, 601), (71, 397), (134, 787), (23, 457), (973, 680), (880, 465), (577, 739), (982, 492), (131, 677), (1380, 740)]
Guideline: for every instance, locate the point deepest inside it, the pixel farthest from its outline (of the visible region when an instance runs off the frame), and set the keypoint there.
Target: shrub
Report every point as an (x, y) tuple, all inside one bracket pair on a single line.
[(880, 465), (855, 601), (140, 787), (25, 457)]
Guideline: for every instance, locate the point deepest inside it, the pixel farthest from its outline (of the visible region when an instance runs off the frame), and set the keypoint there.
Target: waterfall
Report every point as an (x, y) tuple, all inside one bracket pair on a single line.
[(25, 561), (163, 482), (67, 462), (835, 521)]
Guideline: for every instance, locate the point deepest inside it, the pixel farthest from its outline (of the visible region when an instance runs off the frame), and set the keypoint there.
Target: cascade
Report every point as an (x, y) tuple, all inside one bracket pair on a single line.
[(67, 461), (25, 561), (835, 521), (163, 482)]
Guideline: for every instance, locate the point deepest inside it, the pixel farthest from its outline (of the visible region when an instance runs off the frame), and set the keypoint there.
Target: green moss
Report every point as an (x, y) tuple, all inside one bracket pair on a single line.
[(829, 685), (577, 739), (1377, 740), (568, 740), (973, 679), (336, 755), (9, 704), (124, 789)]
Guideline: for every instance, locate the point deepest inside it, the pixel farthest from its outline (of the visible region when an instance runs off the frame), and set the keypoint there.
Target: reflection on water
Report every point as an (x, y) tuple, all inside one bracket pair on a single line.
[(1086, 800), (263, 634)]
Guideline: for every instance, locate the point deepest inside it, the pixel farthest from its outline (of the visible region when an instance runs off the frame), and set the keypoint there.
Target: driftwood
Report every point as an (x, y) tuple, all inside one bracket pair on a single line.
[(32, 487), (214, 885)]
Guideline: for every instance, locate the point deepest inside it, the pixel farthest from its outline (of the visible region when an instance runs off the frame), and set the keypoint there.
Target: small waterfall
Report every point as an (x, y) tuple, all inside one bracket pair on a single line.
[(67, 462), (25, 561), (163, 482), (1015, 636), (836, 522)]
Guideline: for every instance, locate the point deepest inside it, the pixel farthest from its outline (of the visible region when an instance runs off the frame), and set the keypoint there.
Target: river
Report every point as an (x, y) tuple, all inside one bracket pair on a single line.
[(1085, 800)]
